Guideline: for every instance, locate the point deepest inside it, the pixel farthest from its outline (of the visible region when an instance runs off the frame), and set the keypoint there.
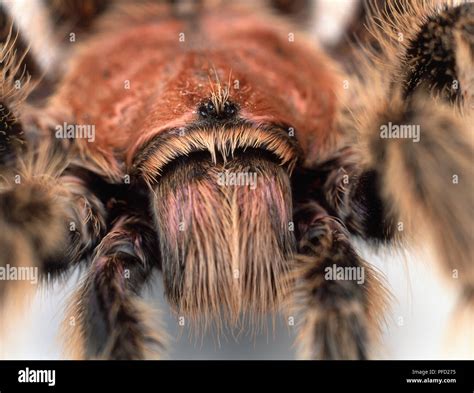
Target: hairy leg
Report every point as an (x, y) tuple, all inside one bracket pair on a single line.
[(52, 219), (49, 217), (339, 297), (416, 133), (107, 319), (14, 89)]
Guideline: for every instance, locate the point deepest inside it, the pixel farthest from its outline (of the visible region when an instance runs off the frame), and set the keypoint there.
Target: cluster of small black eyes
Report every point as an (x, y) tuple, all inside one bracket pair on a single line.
[(207, 110)]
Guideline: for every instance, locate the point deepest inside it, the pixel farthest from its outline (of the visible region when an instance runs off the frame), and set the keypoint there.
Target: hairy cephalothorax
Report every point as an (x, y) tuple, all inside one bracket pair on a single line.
[(213, 142)]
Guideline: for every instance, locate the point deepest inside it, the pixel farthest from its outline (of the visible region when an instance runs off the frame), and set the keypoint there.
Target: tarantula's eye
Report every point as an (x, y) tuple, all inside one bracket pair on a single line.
[(225, 111), (206, 109), (229, 109)]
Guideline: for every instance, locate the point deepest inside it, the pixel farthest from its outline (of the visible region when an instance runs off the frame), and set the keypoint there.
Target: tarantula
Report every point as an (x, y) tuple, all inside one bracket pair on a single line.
[(212, 141)]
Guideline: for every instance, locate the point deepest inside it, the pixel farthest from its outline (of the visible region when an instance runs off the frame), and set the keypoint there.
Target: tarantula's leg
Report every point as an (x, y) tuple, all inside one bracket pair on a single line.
[(429, 181), (37, 206), (12, 140), (417, 135), (340, 316), (106, 318), (14, 89), (48, 221), (339, 296)]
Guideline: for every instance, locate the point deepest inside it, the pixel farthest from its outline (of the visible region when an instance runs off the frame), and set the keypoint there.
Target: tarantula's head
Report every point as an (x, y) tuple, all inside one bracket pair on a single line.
[(217, 155), (223, 208)]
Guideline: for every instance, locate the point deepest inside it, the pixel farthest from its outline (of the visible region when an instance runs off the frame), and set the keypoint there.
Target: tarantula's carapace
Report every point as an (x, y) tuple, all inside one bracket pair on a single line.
[(214, 142), (217, 60)]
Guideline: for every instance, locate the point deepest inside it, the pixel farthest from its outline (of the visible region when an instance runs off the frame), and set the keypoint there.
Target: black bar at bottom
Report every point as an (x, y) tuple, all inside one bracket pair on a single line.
[(106, 376)]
